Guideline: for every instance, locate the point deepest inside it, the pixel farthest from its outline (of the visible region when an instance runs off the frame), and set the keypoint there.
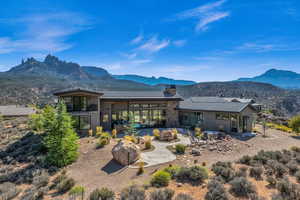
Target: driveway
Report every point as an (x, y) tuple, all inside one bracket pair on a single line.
[(161, 154)]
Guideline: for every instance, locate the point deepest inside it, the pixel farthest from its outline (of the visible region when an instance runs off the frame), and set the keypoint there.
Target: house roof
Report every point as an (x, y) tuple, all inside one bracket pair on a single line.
[(127, 95), (77, 90), (212, 104), (14, 110)]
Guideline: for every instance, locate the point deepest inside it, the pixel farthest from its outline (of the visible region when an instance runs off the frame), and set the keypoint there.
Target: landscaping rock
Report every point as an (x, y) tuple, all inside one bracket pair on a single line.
[(166, 135), (196, 152), (126, 152)]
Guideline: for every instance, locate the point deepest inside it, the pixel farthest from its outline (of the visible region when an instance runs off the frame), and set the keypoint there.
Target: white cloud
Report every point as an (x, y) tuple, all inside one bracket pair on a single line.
[(266, 47), (179, 43), (154, 45), (140, 61), (44, 33), (137, 39), (205, 14)]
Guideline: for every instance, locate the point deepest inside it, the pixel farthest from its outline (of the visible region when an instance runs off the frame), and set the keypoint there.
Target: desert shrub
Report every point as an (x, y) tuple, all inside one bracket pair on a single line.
[(65, 185), (130, 138), (256, 172), (279, 169), (288, 190), (242, 171), (102, 194), (34, 193), (254, 196), (175, 133), (180, 148), (241, 187), (271, 180), (216, 190), (297, 175), (105, 135), (102, 142), (183, 196), (160, 178), (162, 194), (148, 142), (292, 166), (41, 180), (114, 133), (156, 133), (295, 149), (77, 191), (172, 170), (133, 192), (141, 169), (195, 174), (99, 130), (8, 191), (294, 123), (246, 160), (224, 170)]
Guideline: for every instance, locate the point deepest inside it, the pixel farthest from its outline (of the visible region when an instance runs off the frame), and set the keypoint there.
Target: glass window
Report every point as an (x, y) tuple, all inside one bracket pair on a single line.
[(81, 122), (222, 116), (105, 118)]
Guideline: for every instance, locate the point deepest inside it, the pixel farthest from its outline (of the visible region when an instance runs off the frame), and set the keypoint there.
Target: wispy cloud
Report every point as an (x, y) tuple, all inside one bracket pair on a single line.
[(266, 47), (154, 45), (43, 33), (137, 39), (179, 43), (140, 61), (205, 14)]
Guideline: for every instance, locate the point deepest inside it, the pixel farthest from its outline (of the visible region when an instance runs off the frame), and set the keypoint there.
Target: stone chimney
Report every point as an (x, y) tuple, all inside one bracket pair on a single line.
[(170, 90)]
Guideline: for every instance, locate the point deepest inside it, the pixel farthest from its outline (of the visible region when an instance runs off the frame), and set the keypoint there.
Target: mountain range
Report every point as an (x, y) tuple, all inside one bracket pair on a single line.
[(34, 81), (280, 78)]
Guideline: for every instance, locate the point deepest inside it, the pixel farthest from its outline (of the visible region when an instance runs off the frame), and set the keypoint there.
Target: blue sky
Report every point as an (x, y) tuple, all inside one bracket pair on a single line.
[(201, 40)]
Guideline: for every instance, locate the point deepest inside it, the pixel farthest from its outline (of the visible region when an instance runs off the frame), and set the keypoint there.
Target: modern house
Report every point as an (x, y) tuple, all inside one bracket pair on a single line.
[(112, 109)]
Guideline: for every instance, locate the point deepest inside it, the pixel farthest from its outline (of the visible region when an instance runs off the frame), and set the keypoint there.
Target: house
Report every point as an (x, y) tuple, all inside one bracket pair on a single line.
[(16, 111), (113, 109)]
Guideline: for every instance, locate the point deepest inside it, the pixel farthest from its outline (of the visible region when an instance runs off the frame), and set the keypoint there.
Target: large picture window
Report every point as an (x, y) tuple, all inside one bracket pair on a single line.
[(82, 122)]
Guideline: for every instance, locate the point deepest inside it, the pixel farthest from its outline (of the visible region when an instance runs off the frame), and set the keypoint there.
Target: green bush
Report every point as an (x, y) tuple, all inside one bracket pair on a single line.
[(224, 170), (102, 142), (102, 194), (292, 166), (246, 160), (160, 179), (271, 180), (297, 175), (196, 174), (242, 172), (162, 194), (288, 190), (294, 123), (65, 185), (173, 170), (241, 187), (77, 191), (133, 192), (180, 148), (216, 191), (256, 172)]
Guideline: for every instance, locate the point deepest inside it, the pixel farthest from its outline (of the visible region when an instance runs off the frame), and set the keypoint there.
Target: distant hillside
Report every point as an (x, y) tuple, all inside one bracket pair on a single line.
[(96, 71), (51, 66), (153, 80), (280, 78)]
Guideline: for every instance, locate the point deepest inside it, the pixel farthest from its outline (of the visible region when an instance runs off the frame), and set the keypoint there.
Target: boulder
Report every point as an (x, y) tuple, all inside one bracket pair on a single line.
[(196, 152), (126, 152), (166, 135)]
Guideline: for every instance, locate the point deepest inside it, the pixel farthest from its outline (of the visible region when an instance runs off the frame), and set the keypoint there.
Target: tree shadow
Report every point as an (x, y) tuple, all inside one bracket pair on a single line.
[(112, 167)]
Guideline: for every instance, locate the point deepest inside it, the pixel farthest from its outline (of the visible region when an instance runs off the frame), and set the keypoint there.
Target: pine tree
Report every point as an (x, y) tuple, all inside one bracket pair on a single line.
[(60, 140)]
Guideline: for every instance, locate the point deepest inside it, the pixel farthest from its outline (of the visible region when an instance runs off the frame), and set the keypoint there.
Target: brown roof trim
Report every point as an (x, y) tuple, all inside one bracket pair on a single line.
[(78, 90)]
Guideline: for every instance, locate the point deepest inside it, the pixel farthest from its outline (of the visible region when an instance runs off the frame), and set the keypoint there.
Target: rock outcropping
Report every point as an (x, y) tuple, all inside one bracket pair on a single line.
[(126, 152)]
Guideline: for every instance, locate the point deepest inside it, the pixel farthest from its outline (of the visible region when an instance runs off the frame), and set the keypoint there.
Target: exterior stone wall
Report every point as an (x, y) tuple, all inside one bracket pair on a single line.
[(172, 114)]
